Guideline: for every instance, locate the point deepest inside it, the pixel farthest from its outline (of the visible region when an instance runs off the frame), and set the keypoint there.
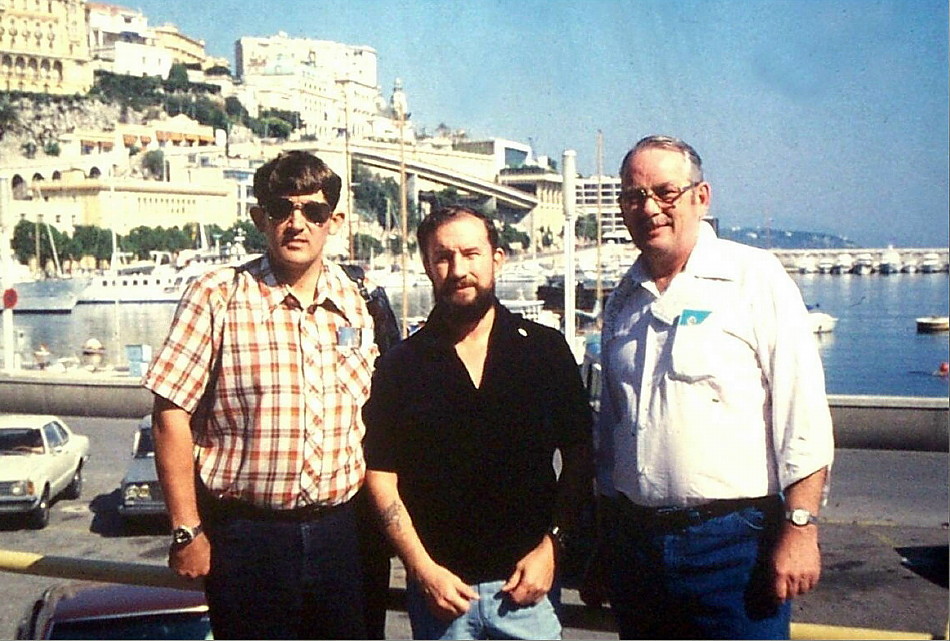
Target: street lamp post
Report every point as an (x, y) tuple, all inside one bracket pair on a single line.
[(349, 168), (404, 224), (400, 110)]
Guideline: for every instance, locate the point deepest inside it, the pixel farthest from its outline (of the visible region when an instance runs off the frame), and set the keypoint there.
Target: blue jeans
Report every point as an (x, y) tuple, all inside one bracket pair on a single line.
[(285, 579), (493, 616), (707, 580)]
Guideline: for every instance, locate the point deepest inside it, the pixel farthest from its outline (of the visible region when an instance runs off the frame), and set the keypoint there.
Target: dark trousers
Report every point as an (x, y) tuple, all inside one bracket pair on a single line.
[(689, 574), (284, 578), (375, 553)]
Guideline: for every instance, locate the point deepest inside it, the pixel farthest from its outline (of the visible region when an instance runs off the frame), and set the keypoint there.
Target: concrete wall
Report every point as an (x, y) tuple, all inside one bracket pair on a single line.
[(79, 395), (890, 422), (862, 422)]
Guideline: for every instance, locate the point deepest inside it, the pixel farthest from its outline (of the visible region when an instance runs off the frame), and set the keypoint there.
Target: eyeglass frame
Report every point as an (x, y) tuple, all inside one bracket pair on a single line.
[(322, 215), (642, 193)]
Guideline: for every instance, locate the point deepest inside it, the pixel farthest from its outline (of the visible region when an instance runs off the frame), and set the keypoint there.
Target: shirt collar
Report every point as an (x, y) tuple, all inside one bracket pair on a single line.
[(709, 259), (334, 289)]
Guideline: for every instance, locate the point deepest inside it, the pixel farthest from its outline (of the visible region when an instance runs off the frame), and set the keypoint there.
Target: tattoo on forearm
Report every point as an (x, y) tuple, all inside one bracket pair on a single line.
[(391, 516)]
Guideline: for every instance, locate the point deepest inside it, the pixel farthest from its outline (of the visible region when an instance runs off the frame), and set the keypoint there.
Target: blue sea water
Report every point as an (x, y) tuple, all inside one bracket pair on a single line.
[(874, 349)]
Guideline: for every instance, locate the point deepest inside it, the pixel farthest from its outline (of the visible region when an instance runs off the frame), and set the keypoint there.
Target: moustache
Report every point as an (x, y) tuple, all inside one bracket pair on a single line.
[(655, 221), (454, 286)]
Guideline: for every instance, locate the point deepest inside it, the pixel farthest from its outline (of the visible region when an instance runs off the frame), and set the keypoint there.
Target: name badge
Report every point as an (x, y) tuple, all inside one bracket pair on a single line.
[(693, 316), (348, 337)]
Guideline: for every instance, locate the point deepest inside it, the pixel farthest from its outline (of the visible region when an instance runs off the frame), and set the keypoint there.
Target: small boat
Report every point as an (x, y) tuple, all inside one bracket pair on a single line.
[(807, 265), (825, 265), (930, 263), (843, 264), (933, 324), (821, 322), (890, 261), (863, 264)]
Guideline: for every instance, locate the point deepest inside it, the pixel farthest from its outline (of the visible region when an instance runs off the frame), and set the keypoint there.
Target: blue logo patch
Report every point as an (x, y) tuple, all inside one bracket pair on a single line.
[(693, 316)]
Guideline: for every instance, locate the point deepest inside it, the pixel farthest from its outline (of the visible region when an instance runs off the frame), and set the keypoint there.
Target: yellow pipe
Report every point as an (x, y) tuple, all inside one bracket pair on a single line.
[(94, 570), (819, 631)]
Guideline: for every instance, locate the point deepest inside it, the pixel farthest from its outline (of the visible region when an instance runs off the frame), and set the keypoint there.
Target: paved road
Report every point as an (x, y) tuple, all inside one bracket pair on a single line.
[(884, 541)]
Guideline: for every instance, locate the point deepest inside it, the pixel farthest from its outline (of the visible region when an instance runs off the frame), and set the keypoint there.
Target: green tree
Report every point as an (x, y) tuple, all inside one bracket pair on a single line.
[(509, 235), (234, 109), (177, 78), (128, 91), (586, 227), (89, 240), (154, 163), (254, 240), (376, 196), (365, 247), (9, 118), (24, 242)]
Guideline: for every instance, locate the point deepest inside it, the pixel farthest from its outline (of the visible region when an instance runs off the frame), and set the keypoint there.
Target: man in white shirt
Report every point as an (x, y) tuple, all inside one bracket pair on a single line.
[(714, 438)]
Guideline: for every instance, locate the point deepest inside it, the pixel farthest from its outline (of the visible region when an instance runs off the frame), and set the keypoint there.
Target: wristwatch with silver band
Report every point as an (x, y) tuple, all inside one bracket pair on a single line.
[(800, 517), (182, 535)]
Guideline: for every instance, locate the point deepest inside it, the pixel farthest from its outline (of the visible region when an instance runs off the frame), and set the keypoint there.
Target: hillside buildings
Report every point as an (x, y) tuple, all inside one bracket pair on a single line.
[(330, 89), (43, 47)]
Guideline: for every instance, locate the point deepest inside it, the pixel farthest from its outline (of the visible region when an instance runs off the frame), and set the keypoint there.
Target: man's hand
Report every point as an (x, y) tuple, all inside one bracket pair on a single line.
[(446, 594), (192, 561), (796, 561), (533, 575)]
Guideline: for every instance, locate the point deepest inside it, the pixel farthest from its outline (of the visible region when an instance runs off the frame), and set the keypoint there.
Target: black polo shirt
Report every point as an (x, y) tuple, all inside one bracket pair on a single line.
[(475, 464)]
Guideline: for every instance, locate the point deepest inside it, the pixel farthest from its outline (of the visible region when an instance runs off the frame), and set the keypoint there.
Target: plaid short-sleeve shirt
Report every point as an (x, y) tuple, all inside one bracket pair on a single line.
[(284, 428)]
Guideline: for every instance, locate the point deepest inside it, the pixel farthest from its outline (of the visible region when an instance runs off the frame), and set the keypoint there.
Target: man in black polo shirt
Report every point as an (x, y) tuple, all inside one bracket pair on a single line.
[(463, 421)]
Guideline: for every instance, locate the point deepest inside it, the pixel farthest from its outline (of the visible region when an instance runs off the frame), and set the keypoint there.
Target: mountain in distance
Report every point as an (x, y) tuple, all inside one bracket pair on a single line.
[(781, 239)]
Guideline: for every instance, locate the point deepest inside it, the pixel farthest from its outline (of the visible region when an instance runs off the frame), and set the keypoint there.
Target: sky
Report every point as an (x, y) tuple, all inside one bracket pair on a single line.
[(810, 115)]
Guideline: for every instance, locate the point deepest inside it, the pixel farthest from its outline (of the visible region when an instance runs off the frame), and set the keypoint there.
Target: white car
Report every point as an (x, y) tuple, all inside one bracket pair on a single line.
[(41, 458)]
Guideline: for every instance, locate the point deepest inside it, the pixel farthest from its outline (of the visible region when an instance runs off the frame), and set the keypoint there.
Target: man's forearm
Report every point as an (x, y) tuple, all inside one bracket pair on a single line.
[(807, 492), (395, 520), (174, 461)]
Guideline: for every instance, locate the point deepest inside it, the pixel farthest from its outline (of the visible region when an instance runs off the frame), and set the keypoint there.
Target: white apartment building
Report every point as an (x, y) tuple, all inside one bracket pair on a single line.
[(334, 86), (121, 41), (608, 188)]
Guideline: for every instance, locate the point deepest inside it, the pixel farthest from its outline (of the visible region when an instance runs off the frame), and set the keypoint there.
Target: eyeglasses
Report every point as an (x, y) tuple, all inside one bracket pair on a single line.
[(279, 209), (664, 197)]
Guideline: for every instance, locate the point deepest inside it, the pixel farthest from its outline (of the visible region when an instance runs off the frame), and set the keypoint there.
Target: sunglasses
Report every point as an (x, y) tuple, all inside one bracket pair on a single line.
[(279, 209)]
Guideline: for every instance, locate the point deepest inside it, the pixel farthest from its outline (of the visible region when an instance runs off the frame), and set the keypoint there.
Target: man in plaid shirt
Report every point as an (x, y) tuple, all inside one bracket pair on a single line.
[(258, 434)]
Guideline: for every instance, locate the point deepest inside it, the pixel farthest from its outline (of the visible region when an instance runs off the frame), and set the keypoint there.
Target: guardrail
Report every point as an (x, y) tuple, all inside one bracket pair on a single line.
[(154, 575)]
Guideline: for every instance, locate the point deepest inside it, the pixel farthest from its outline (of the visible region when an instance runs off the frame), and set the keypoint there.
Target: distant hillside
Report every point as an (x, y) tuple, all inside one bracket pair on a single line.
[(781, 239)]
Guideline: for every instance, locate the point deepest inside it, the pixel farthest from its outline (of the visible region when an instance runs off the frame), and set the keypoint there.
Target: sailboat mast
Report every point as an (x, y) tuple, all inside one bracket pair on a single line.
[(600, 217)]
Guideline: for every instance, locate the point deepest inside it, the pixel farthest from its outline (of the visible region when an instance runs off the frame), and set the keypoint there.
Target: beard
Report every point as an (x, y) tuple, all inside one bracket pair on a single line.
[(463, 313)]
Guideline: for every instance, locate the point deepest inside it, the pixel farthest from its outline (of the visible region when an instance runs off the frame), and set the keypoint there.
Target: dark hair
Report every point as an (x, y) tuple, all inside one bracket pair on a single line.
[(294, 173), (445, 215), (672, 144)]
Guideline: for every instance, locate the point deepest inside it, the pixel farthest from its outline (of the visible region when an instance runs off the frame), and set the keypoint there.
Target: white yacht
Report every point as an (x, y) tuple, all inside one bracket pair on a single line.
[(890, 261), (930, 263), (843, 264), (863, 264)]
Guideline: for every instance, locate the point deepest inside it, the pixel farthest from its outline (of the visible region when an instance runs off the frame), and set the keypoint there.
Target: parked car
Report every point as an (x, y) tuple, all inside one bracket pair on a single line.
[(141, 494), (41, 458), (110, 611)]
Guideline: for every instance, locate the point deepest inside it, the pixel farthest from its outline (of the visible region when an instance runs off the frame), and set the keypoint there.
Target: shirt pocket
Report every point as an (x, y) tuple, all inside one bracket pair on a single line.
[(354, 373), (709, 350)]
